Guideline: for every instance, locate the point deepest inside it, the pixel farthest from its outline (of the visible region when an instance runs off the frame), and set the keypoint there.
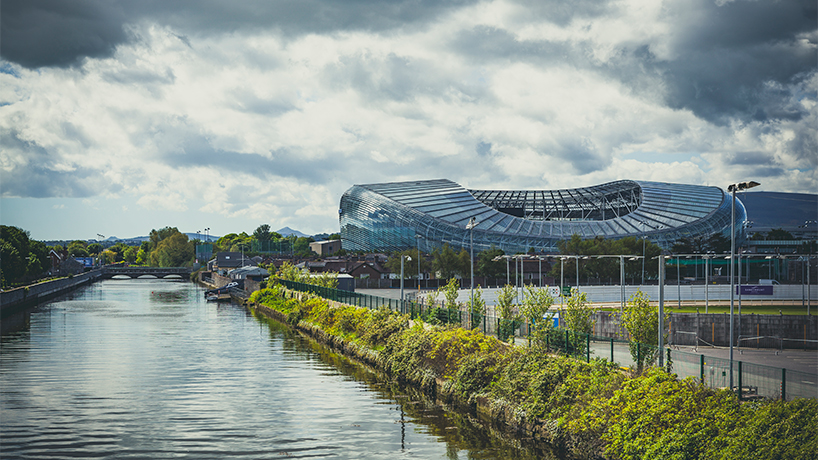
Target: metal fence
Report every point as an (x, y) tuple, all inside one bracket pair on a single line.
[(755, 381)]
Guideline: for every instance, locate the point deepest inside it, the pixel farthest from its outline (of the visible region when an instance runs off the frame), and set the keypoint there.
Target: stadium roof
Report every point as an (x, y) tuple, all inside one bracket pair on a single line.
[(387, 216)]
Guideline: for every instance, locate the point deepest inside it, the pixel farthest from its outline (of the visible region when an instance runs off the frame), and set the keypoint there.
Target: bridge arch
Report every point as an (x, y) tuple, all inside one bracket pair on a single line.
[(152, 272)]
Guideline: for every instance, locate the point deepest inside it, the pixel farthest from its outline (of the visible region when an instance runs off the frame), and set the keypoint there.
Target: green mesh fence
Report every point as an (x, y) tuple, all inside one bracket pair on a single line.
[(755, 381)]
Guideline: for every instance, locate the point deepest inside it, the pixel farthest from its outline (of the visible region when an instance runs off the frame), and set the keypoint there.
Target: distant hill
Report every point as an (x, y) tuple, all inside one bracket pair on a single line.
[(287, 231), (202, 237)]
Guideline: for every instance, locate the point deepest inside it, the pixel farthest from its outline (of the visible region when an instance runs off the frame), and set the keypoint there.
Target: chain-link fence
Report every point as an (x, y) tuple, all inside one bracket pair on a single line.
[(751, 381)]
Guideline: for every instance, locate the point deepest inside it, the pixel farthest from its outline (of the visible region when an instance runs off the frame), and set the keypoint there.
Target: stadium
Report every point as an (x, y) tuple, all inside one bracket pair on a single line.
[(400, 215)]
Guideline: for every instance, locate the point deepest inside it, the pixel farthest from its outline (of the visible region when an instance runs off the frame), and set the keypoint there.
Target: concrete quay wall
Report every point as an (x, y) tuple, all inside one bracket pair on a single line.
[(15, 299)]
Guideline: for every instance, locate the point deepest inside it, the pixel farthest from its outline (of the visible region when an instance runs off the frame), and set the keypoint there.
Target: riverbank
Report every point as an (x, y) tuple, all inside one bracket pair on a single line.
[(586, 410), (14, 300)]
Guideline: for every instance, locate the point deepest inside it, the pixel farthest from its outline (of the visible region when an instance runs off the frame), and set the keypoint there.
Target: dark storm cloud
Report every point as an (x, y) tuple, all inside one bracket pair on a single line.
[(37, 178), (744, 60), (748, 158), (729, 55), (35, 33), (38, 33)]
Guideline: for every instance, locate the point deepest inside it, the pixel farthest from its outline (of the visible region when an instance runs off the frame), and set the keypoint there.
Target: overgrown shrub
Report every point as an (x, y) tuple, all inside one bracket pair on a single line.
[(593, 409)]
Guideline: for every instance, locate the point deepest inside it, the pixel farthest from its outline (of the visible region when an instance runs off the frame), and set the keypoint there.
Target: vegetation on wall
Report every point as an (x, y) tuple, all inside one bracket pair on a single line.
[(589, 410)]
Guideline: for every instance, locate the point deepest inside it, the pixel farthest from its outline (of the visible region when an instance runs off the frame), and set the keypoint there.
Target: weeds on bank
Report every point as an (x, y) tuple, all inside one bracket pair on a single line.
[(590, 409)]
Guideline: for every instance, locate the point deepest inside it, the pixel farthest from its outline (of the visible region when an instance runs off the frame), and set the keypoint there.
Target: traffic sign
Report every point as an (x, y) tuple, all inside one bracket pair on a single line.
[(566, 291)]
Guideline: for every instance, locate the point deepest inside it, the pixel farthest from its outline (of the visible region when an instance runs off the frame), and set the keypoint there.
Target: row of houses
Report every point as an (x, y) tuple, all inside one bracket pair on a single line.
[(368, 266)]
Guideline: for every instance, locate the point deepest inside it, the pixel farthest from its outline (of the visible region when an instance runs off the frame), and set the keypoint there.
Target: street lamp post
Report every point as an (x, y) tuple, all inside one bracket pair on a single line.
[(577, 261), (622, 283), (644, 237), (562, 279), (470, 226), (661, 309), (732, 188), (706, 284), (402, 303), (678, 282), (621, 258), (418, 237), (508, 266)]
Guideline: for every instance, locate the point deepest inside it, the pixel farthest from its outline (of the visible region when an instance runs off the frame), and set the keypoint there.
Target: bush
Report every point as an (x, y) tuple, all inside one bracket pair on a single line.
[(593, 409)]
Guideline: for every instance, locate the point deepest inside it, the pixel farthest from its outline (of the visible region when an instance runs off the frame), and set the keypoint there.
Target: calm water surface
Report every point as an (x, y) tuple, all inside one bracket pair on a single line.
[(148, 369)]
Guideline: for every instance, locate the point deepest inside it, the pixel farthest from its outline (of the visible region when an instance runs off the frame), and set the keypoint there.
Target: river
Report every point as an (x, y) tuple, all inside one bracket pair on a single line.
[(148, 369)]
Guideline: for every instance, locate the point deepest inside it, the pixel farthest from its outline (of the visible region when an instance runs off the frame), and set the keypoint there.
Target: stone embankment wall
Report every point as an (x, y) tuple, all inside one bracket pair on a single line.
[(15, 299), (764, 331)]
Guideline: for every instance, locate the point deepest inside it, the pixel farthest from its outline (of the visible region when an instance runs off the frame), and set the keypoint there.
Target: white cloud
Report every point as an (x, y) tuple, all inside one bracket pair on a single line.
[(266, 127)]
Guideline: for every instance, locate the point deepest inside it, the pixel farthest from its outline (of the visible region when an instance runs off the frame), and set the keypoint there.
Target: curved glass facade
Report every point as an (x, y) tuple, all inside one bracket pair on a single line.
[(400, 215)]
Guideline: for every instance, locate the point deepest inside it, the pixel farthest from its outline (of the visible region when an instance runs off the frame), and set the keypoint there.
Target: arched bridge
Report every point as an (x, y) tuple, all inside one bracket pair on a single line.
[(136, 272)]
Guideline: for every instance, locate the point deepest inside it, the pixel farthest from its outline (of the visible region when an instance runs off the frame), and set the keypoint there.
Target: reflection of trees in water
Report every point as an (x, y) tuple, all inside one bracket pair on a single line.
[(17, 322), (170, 296), (461, 430)]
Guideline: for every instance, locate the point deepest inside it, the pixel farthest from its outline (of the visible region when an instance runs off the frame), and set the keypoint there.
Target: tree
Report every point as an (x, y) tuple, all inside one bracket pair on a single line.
[(78, 248), (334, 236), (592, 267), (410, 267), (445, 262), (262, 233), (536, 303), (690, 245), (486, 266), (16, 255), (130, 254), (173, 251), (464, 263), (12, 266), (478, 308), (108, 257), (779, 234), (302, 247), (508, 317), (94, 248), (142, 256), (450, 293), (38, 259), (505, 302), (641, 320), (578, 314), (290, 272), (156, 236), (718, 243)]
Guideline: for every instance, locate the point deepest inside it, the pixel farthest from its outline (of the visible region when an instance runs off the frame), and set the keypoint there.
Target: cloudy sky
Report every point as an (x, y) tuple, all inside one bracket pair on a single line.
[(117, 117)]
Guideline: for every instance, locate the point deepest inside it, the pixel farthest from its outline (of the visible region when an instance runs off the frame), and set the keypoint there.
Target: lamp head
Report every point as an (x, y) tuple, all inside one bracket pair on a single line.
[(742, 186)]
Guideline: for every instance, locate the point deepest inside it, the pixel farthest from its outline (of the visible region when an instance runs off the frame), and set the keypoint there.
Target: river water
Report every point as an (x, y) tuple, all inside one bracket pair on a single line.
[(148, 369)]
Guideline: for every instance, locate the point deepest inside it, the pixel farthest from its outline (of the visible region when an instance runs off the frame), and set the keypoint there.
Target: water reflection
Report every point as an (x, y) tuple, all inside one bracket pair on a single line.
[(148, 369), (466, 435)]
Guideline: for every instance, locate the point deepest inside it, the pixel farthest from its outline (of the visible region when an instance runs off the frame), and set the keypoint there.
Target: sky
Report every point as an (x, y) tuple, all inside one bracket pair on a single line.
[(118, 117)]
